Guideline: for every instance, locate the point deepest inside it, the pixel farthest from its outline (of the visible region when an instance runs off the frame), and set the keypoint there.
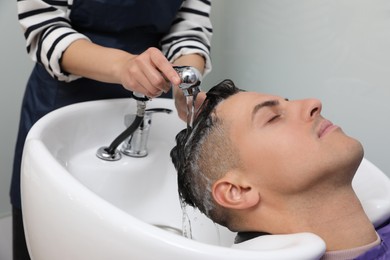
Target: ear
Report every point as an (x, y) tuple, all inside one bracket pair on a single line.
[(235, 193)]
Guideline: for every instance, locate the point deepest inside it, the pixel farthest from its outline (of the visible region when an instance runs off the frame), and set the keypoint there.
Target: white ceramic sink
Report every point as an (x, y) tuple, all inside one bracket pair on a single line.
[(77, 206)]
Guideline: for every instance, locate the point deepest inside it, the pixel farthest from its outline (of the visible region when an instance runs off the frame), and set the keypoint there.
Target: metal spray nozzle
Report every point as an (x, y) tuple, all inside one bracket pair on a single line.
[(190, 79)]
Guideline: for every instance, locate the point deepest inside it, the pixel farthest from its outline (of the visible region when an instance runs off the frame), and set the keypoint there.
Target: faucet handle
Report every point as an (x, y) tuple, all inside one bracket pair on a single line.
[(158, 110), (129, 118)]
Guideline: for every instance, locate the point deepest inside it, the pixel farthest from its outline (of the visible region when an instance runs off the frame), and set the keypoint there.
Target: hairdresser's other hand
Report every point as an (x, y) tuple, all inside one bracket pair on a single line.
[(181, 104), (149, 73)]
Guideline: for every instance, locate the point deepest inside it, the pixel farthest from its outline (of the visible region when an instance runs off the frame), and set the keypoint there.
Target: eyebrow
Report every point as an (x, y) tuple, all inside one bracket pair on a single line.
[(268, 103)]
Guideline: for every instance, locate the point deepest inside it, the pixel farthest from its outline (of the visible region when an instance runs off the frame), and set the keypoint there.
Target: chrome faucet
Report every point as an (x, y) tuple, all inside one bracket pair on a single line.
[(111, 153), (136, 144), (134, 138)]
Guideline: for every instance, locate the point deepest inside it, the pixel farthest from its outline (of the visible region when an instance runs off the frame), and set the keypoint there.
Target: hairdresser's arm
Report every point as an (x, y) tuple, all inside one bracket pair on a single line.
[(145, 73), (188, 44), (68, 55), (134, 72)]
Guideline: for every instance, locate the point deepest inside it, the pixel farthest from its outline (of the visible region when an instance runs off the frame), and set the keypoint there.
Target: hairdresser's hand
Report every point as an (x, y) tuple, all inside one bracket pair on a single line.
[(181, 104), (149, 73)]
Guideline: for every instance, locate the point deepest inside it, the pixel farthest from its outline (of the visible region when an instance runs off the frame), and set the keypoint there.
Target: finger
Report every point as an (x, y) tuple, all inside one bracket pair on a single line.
[(152, 78), (157, 79), (200, 98), (146, 79), (165, 67), (137, 81), (145, 87), (154, 83)]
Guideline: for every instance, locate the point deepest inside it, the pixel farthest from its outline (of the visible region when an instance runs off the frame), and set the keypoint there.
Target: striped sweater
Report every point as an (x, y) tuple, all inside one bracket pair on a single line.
[(48, 32)]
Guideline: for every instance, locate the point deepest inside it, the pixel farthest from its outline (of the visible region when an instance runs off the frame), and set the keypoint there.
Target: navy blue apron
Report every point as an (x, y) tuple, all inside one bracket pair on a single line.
[(130, 25)]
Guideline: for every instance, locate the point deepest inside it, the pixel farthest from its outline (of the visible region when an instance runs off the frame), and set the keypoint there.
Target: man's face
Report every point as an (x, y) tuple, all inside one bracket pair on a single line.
[(287, 146)]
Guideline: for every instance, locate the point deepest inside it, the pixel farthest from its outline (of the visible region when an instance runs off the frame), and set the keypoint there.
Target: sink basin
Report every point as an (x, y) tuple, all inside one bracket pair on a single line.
[(77, 206)]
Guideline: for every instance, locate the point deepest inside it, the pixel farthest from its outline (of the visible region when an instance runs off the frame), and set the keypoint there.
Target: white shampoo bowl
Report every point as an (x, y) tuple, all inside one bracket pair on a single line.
[(77, 206)]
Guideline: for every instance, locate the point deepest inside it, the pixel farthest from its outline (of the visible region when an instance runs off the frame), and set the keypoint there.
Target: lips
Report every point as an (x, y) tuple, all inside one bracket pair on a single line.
[(325, 127)]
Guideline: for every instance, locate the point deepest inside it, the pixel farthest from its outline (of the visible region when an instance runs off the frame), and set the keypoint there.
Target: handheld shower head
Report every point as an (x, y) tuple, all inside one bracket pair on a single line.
[(190, 85), (190, 79)]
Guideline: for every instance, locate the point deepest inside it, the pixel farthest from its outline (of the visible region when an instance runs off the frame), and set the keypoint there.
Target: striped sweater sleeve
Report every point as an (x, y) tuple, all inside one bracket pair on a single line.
[(46, 27), (190, 33), (48, 32)]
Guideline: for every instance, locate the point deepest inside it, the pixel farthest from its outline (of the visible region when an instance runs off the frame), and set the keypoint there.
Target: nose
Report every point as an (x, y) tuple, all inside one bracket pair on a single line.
[(311, 108)]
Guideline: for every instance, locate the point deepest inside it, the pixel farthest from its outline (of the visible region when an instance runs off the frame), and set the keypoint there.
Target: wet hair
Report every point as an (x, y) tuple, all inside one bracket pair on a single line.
[(205, 153)]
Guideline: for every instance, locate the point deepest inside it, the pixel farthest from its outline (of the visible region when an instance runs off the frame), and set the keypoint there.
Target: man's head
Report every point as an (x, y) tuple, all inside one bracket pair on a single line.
[(250, 154)]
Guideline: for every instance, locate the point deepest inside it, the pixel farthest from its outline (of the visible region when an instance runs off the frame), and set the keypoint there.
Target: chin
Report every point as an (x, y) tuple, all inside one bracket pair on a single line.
[(354, 155)]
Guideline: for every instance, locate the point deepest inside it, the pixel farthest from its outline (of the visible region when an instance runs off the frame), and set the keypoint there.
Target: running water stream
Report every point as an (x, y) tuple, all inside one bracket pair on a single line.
[(186, 222), (186, 219), (190, 100)]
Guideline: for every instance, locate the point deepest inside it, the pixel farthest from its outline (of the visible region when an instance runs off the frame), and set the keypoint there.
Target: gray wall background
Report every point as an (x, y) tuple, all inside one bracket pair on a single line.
[(335, 50), (15, 67)]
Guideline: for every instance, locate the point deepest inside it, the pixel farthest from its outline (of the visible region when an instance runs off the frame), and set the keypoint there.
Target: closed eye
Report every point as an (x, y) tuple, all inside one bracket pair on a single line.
[(274, 118)]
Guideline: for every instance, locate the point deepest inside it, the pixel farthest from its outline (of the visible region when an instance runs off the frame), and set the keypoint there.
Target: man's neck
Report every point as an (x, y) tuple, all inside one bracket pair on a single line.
[(338, 219), (343, 230)]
